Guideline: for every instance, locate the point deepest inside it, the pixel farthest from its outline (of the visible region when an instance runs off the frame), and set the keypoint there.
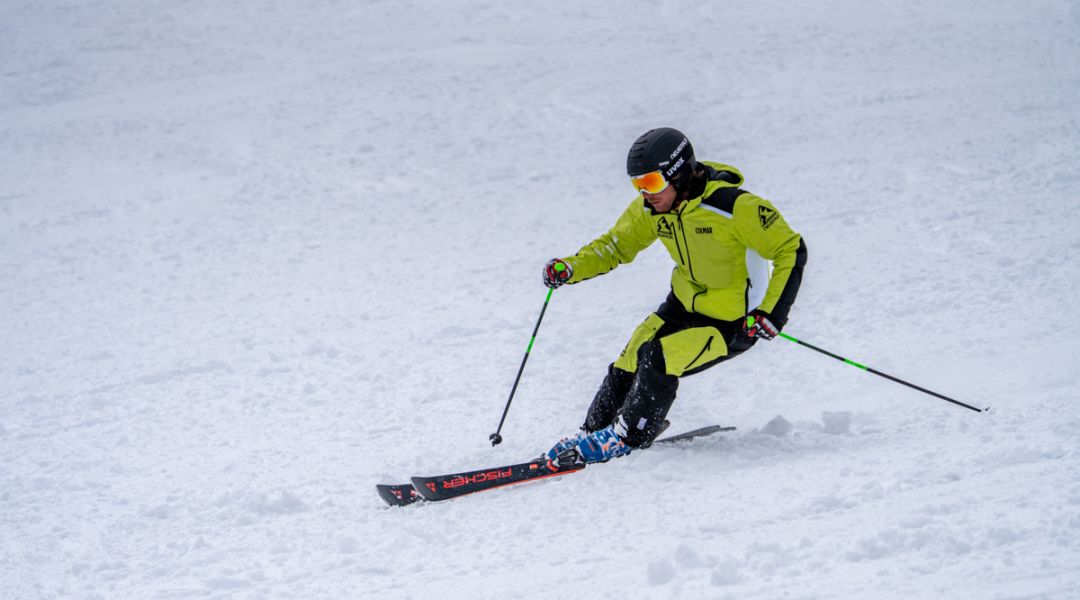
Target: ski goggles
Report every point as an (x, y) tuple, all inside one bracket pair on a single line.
[(652, 183)]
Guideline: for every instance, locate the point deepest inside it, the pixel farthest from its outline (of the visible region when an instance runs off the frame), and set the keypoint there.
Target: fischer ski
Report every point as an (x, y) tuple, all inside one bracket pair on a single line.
[(454, 485), (444, 487)]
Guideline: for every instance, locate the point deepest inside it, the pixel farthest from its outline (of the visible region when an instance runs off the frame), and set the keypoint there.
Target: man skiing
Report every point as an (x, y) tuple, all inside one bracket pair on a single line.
[(722, 297)]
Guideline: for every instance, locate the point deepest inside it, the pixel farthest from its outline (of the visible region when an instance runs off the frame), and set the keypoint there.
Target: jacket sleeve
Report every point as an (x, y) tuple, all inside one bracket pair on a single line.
[(632, 233), (761, 227)]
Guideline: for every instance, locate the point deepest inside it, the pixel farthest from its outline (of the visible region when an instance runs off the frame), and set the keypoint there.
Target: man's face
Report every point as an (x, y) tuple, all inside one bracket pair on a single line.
[(662, 202)]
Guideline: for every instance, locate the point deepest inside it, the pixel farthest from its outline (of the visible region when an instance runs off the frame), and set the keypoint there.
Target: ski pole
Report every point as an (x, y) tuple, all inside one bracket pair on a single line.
[(885, 375), (495, 438)]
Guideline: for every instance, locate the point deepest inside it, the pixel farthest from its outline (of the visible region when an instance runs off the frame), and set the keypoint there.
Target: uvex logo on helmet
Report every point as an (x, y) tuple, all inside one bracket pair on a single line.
[(674, 168), (682, 160)]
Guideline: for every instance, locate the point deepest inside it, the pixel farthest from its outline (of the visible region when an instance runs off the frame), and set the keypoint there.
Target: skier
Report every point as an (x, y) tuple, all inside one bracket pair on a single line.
[(722, 297)]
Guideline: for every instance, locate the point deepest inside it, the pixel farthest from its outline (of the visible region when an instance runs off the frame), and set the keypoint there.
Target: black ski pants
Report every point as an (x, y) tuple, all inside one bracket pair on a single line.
[(640, 386)]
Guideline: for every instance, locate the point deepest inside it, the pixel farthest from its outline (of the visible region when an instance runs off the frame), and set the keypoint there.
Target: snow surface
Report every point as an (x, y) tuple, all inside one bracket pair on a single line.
[(260, 256)]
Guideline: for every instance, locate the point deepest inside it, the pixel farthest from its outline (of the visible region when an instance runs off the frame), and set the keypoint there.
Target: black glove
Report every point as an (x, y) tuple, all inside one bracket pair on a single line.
[(557, 272), (759, 324)]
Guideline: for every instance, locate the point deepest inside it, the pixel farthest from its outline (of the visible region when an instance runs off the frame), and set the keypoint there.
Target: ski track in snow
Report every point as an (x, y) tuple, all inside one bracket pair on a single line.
[(258, 258)]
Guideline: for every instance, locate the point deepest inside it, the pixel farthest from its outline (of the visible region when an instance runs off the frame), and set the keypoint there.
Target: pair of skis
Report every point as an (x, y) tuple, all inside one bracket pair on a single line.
[(453, 485)]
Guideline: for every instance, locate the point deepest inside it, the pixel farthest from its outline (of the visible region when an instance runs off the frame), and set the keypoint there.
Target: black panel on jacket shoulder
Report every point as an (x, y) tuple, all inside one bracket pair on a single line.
[(724, 199)]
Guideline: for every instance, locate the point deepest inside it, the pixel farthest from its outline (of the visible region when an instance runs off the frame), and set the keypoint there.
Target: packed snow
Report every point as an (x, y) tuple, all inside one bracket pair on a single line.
[(259, 257)]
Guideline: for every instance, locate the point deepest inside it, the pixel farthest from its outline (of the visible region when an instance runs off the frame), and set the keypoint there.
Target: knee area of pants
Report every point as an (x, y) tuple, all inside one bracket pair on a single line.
[(618, 376), (651, 356)]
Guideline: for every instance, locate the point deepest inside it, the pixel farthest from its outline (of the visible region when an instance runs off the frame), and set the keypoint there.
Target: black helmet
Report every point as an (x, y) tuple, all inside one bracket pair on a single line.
[(666, 150)]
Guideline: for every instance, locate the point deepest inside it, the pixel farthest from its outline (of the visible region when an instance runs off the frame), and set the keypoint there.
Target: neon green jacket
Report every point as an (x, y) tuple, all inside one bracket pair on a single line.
[(708, 237)]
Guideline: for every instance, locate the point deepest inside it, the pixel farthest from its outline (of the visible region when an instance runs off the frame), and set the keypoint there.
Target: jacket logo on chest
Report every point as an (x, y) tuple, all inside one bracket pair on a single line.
[(766, 216), (665, 229), (703, 230)]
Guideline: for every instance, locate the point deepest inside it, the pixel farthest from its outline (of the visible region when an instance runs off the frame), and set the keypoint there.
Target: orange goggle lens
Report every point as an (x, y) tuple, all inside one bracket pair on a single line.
[(653, 183)]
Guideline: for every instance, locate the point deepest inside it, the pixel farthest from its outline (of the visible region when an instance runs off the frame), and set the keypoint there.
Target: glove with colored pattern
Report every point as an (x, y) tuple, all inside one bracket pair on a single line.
[(759, 324), (557, 272)]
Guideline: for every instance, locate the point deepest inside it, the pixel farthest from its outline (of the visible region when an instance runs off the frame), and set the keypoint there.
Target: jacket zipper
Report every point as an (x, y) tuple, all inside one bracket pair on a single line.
[(689, 263), (677, 246)]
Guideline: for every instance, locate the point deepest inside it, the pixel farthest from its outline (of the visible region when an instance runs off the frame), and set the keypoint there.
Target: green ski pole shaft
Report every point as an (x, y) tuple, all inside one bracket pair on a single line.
[(495, 438), (885, 375)]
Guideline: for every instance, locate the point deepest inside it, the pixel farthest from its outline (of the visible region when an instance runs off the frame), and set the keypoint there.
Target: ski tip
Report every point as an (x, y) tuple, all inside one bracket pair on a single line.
[(398, 495), (386, 494)]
